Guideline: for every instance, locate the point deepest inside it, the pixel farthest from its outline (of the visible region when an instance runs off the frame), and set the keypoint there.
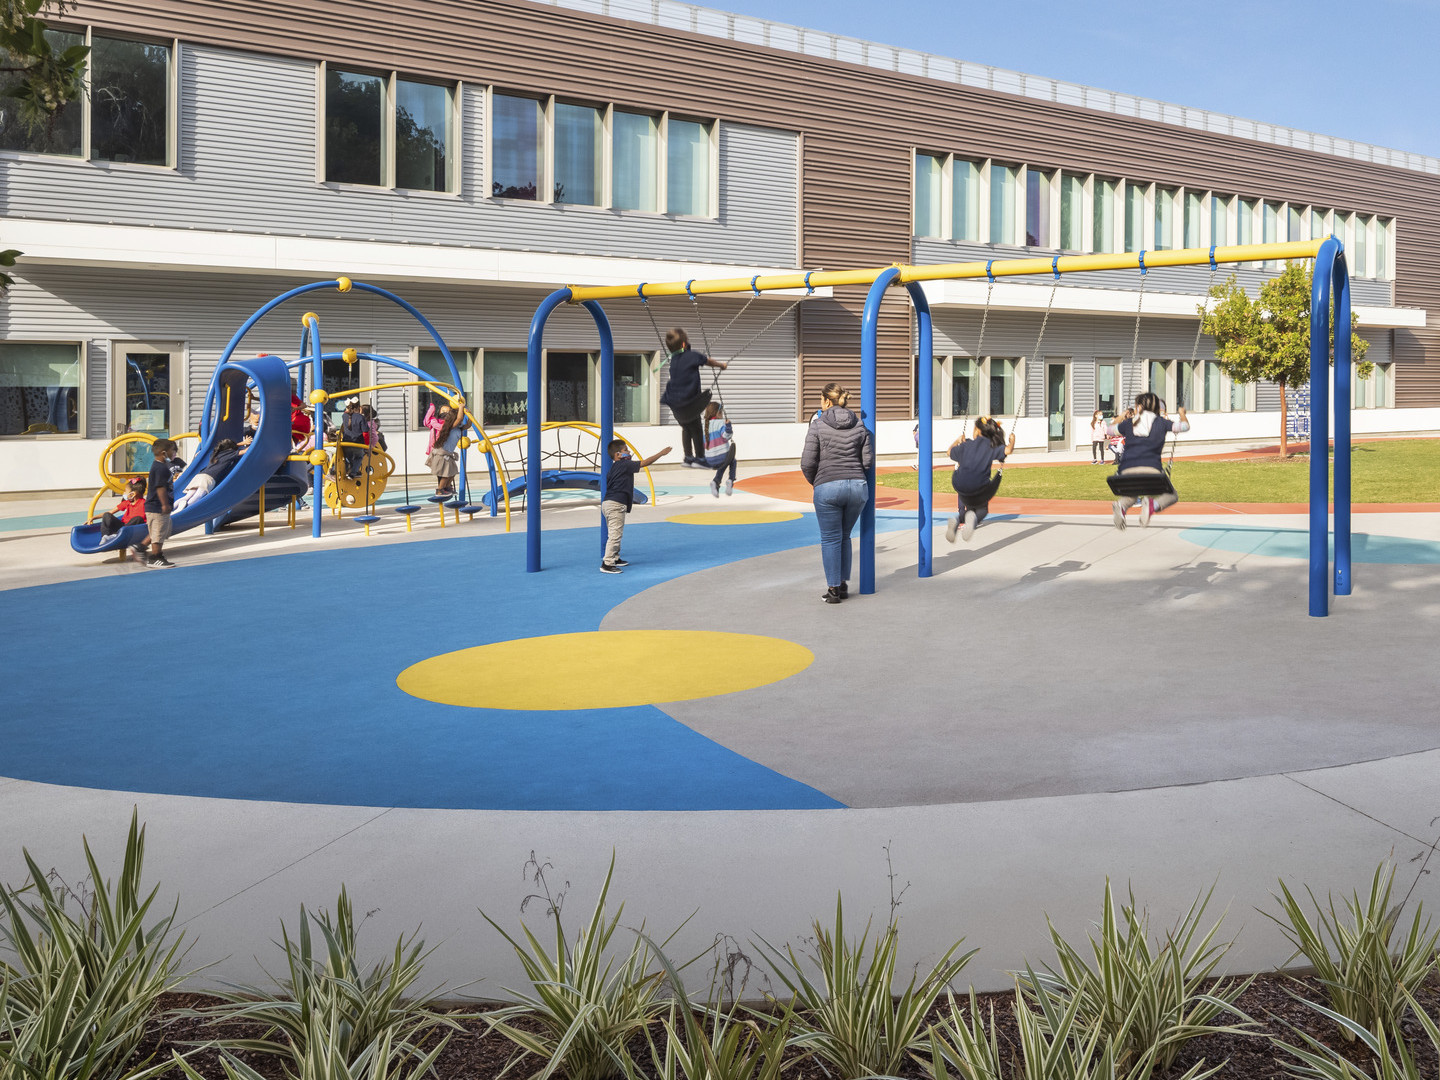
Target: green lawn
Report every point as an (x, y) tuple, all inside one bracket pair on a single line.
[(1394, 471)]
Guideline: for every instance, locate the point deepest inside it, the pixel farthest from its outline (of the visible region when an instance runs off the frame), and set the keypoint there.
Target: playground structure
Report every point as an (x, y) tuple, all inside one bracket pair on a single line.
[(1331, 279), (272, 473)]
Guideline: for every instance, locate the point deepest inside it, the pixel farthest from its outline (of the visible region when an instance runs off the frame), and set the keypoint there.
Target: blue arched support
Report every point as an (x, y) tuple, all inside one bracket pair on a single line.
[(925, 416), (1331, 279), (868, 351), (607, 404)]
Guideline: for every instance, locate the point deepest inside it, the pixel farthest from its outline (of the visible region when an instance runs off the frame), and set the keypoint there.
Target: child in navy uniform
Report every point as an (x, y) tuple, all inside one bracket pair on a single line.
[(972, 480), (223, 460), (160, 501), (1145, 437), (684, 395), (618, 498)]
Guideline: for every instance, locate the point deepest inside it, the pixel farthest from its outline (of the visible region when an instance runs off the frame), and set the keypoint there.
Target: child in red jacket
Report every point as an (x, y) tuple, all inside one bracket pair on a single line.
[(131, 508)]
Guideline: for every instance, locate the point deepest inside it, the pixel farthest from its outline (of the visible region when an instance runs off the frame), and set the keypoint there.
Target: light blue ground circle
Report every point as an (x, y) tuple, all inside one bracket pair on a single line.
[(1295, 544)]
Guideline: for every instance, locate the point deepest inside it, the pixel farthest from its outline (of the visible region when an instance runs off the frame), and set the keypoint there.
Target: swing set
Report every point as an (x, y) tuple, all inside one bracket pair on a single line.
[(1331, 280)]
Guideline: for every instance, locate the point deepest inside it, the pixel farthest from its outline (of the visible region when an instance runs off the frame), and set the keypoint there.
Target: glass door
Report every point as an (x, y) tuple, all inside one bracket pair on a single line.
[(1107, 388), (1056, 405), (147, 391)]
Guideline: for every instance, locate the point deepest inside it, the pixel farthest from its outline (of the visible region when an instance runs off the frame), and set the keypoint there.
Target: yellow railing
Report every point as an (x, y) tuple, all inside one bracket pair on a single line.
[(114, 482)]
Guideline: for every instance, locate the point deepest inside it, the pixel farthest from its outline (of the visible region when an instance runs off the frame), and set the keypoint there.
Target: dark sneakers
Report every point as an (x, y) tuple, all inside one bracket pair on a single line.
[(160, 563), (610, 568), (621, 562), (832, 595)]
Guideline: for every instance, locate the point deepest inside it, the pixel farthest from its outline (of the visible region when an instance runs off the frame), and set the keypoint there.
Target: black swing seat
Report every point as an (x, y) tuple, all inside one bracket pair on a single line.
[(1140, 484)]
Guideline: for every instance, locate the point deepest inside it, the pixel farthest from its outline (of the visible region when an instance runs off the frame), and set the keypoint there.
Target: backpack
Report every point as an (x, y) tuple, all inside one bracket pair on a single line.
[(717, 441)]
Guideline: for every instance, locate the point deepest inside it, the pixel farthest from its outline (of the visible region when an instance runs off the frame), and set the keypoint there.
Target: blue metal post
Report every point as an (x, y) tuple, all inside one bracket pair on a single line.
[(607, 401), (1325, 261), (534, 390), (925, 409), (317, 481), (1341, 286), (868, 351)]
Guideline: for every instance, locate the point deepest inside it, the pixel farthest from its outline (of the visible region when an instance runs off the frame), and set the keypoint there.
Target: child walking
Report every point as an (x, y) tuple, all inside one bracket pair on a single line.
[(159, 502), (971, 479), (619, 497), (719, 448)]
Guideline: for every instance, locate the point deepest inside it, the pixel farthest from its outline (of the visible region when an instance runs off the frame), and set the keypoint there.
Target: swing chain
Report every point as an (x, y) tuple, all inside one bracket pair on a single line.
[(1194, 350), (1035, 355)]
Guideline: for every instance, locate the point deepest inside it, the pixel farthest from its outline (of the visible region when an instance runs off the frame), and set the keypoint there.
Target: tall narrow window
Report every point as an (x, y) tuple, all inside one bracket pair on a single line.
[(964, 387), (1360, 250), (1002, 386), (1002, 204), (1072, 210), (635, 158), (1185, 385), (39, 389), (64, 134), (1192, 219), (1239, 396), (1212, 387), (1270, 223), (422, 135), (1318, 231), (929, 177), (1382, 248), (965, 200), (506, 397), (1380, 390), (1103, 234), (578, 154), (1220, 233), (1245, 222), (1165, 199), (1134, 216), (354, 125), (632, 388), (1037, 209), (687, 159), (567, 386), (1293, 223), (129, 101), (518, 131), (1158, 377), (1107, 384)]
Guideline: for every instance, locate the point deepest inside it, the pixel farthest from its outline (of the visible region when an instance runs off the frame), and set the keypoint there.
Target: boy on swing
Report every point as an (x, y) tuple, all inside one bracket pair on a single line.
[(973, 483), (1145, 430)]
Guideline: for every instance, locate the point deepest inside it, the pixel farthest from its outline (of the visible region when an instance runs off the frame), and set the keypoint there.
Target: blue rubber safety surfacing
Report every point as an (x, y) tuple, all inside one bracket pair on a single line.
[(220, 680), (1295, 544)]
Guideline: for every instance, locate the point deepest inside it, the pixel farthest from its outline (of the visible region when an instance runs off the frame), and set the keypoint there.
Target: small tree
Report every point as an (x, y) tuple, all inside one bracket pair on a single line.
[(1269, 337)]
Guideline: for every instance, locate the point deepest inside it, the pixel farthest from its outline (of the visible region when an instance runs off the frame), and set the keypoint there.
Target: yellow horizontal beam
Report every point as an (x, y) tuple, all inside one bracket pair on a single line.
[(1065, 264)]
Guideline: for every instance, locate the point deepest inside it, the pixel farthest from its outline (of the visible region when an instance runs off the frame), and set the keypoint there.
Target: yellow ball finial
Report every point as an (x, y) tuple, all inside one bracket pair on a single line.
[(318, 397), (349, 356), (484, 446), (343, 284), (308, 318), (318, 457), (464, 442)]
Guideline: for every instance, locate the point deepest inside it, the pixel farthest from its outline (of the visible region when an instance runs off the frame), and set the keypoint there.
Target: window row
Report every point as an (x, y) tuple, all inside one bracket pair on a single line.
[(126, 113), (992, 202)]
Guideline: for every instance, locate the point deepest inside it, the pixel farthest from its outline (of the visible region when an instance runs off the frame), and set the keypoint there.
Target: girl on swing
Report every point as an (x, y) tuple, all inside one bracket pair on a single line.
[(1145, 429), (971, 479), (684, 396)]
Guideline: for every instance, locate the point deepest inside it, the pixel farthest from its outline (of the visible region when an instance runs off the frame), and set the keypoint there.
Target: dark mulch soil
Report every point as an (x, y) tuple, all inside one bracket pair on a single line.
[(474, 1053)]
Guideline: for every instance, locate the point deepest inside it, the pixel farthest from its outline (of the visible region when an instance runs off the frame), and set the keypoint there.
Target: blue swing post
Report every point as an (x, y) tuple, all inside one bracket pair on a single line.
[(925, 408), (1331, 279), (869, 323)]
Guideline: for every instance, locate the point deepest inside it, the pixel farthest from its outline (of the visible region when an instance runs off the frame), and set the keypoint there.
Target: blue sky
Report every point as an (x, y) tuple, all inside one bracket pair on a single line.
[(1364, 71)]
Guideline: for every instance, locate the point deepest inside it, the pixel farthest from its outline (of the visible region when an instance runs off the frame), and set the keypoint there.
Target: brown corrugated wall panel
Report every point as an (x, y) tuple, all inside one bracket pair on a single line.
[(858, 125)]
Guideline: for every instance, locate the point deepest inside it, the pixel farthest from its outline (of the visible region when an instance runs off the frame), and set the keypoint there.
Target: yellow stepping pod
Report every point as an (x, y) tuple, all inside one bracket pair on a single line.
[(734, 517), (604, 669)]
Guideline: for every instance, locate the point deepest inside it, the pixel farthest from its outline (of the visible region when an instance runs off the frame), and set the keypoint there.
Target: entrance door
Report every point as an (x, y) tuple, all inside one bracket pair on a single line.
[(1057, 405), (147, 386)]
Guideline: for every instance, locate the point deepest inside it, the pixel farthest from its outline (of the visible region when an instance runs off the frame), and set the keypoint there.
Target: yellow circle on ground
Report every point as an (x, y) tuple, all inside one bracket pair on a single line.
[(604, 669), (734, 517)]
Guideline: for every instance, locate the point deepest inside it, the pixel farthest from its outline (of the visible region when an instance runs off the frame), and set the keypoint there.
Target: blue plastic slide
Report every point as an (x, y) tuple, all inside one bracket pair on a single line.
[(265, 456), (553, 478)]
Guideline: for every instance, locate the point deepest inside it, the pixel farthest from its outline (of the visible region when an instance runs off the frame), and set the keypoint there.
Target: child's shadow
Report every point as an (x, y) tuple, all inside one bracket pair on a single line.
[(1039, 575), (1192, 578), (956, 559)]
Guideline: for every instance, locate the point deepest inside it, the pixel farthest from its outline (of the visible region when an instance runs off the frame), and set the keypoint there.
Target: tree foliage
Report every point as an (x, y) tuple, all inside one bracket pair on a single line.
[(39, 80), (1268, 337)]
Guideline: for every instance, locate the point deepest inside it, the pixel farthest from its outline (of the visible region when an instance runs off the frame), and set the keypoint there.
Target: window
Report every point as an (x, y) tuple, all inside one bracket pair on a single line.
[(1103, 234), (635, 162), (1240, 396), (1158, 379), (1220, 220), (1210, 395), (1269, 223), (929, 182), (1245, 222), (965, 201), (1293, 222), (1192, 219), (567, 387), (1360, 247), (960, 383), (1134, 216), (432, 362), (1382, 248), (1318, 228), (517, 147), (1185, 385), (687, 168), (1165, 200), (1072, 212), (577, 154), (1379, 395), (128, 86), (1002, 385), (1037, 209), (39, 389), (354, 120), (1002, 204), (423, 113), (1107, 387), (965, 387), (632, 388), (505, 401)]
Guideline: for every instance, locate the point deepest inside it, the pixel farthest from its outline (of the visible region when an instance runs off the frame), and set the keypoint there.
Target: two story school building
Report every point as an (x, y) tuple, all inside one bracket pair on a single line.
[(473, 155)]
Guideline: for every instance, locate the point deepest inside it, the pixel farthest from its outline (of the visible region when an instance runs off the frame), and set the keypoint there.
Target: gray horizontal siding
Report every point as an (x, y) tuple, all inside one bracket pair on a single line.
[(97, 389), (1194, 280), (204, 310), (248, 160)]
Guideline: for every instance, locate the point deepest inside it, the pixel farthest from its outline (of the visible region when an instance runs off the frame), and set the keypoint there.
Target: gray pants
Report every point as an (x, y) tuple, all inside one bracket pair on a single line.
[(614, 514), (1161, 501)]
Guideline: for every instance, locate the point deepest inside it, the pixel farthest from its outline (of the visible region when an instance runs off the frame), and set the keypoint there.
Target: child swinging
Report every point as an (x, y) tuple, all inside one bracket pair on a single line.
[(973, 484)]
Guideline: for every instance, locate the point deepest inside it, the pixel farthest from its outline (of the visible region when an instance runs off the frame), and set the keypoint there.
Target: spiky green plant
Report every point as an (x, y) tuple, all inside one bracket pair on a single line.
[(848, 1016), (1316, 1061), (325, 1015), (587, 1006), (87, 971), (1144, 1000), (1366, 963)]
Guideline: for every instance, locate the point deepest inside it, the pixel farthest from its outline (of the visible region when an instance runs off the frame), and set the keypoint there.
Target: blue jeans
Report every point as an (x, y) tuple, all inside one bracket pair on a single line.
[(837, 507)]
